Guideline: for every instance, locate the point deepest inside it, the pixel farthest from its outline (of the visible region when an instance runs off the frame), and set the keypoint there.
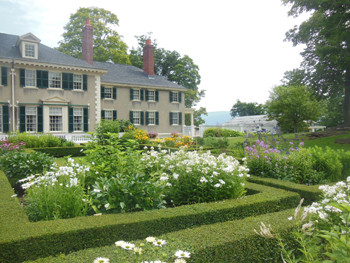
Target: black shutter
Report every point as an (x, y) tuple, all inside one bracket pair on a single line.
[(180, 97), (22, 77), (102, 92), (22, 119), (85, 82), (157, 95), (142, 117), (147, 118), (103, 114), (67, 81), (114, 93), (40, 119), (146, 93), (42, 78), (180, 118), (131, 117), (170, 96), (142, 97), (86, 119), (114, 115), (5, 118), (4, 76), (157, 118), (70, 119), (131, 94), (171, 118)]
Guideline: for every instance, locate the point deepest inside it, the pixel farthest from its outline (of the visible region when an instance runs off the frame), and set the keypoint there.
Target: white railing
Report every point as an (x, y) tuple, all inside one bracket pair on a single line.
[(189, 131)]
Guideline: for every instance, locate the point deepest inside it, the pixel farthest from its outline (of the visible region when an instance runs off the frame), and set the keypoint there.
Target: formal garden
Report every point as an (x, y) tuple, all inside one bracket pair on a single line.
[(129, 196)]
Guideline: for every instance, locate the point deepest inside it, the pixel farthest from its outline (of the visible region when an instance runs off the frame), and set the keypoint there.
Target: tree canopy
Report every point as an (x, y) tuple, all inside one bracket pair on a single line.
[(108, 44), (326, 58), (246, 109), (293, 107)]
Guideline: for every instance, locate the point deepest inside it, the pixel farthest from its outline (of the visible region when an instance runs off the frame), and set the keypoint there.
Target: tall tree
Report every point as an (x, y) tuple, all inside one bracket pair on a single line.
[(293, 107), (326, 58), (108, 44), (246, 109)]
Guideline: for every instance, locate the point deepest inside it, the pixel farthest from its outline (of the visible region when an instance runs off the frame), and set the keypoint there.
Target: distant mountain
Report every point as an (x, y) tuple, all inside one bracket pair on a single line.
[(216, 117)]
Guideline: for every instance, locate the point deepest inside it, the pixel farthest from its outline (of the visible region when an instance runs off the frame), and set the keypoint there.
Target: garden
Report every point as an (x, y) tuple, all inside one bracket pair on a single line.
[(134, 197)]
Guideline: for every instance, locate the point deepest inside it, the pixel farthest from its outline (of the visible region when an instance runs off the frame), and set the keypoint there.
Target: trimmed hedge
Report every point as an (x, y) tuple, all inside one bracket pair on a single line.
[(21, 240), (59, 152), (310, 193)]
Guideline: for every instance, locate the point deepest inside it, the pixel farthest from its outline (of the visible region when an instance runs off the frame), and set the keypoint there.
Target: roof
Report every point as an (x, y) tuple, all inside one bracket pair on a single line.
[(117, 73), (46, 54), (253, 120), (126, 74)]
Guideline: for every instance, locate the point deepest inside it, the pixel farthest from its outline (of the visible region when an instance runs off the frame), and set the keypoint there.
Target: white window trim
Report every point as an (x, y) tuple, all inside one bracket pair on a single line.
[(152, 111), (177, 97), (54, 88), (177, 112), (36, 119), (111, 111), (139, 111), (82, 120), (81, 82), (25, 79), (111, 98), (24, 49), (139, 99), (154, 95)]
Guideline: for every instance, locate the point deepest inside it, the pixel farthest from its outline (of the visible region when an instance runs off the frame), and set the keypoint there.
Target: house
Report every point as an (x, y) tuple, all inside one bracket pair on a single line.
[(44, 90)]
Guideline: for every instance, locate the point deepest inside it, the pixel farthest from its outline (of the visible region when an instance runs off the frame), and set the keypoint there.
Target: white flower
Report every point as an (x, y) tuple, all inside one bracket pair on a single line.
[(175, 176), (203, 180), (217, 185), (168, 184), (182, 254), (180, 260), (119, 243), (290, 218), (150, 239), (128, 246), (164, 178), (138, 250), (107, 205), (221, 181), (101, 260), (97, 190), (159, 243)]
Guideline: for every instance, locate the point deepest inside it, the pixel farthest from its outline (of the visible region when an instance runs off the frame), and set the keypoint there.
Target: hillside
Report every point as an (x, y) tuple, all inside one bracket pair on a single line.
[(216, 117)]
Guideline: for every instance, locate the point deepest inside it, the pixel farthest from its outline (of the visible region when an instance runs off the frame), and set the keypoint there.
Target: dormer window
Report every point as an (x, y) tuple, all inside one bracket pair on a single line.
[(28, 46), (29, 50)]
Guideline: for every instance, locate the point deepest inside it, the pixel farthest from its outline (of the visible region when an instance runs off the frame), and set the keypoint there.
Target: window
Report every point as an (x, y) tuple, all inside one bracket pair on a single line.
[(55, 115), (175, 118), (31, 119), (29, 50), (151, 95), (108, 93), (78, 119), (54, 80), (30, 78), (77, 82), (108, 115), (175, 96), (136, 117), (152, 118), (136, 94), (3, 76)]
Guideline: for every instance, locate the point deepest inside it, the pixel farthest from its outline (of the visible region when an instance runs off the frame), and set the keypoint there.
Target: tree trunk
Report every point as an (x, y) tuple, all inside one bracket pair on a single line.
[(347, 98)]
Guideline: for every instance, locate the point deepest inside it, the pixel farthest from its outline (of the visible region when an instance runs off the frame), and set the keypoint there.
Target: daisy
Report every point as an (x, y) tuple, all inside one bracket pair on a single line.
[(159, 242), (128, 246), (182, 254), (119, 243), (180, 260), (150, 239), (101, 260)]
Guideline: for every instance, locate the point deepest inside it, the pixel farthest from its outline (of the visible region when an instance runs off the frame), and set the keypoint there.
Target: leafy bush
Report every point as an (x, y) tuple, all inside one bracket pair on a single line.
[(59, 193), (19, 165), (6, 146), (37, 141), (104, 127), (127, 193), (220, 132), (216, 142), (135, 134), (192, 177), (62, 151)]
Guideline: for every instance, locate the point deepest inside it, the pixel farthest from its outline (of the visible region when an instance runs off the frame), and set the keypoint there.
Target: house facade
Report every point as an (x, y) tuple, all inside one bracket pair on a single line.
[(43, 90)]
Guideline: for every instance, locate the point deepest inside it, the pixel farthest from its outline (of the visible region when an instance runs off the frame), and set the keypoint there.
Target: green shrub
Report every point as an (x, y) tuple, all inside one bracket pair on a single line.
[(220, 132), (216, 142), (40, 140), (18, 165), (105, 127)]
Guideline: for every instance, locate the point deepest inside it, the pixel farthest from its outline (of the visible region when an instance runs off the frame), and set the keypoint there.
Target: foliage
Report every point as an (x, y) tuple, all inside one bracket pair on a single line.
[(59, 193), (326, 56), (215, 142), (127, 192), (197, 117), (292, 106), (6, 146), (247, 109), (220, 132), (19, 164), (59, 152), (192, 177), (134, 133), (108, 44), (104, 127), (37, 141), (175, 141)]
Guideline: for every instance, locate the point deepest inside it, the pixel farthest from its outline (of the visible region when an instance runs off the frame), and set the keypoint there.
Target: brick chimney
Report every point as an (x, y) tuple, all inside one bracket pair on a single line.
[(87, 42), (148, 58)]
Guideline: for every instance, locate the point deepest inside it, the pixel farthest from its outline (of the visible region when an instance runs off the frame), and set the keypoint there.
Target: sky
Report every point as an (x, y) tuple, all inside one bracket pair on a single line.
[(238, 45)]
